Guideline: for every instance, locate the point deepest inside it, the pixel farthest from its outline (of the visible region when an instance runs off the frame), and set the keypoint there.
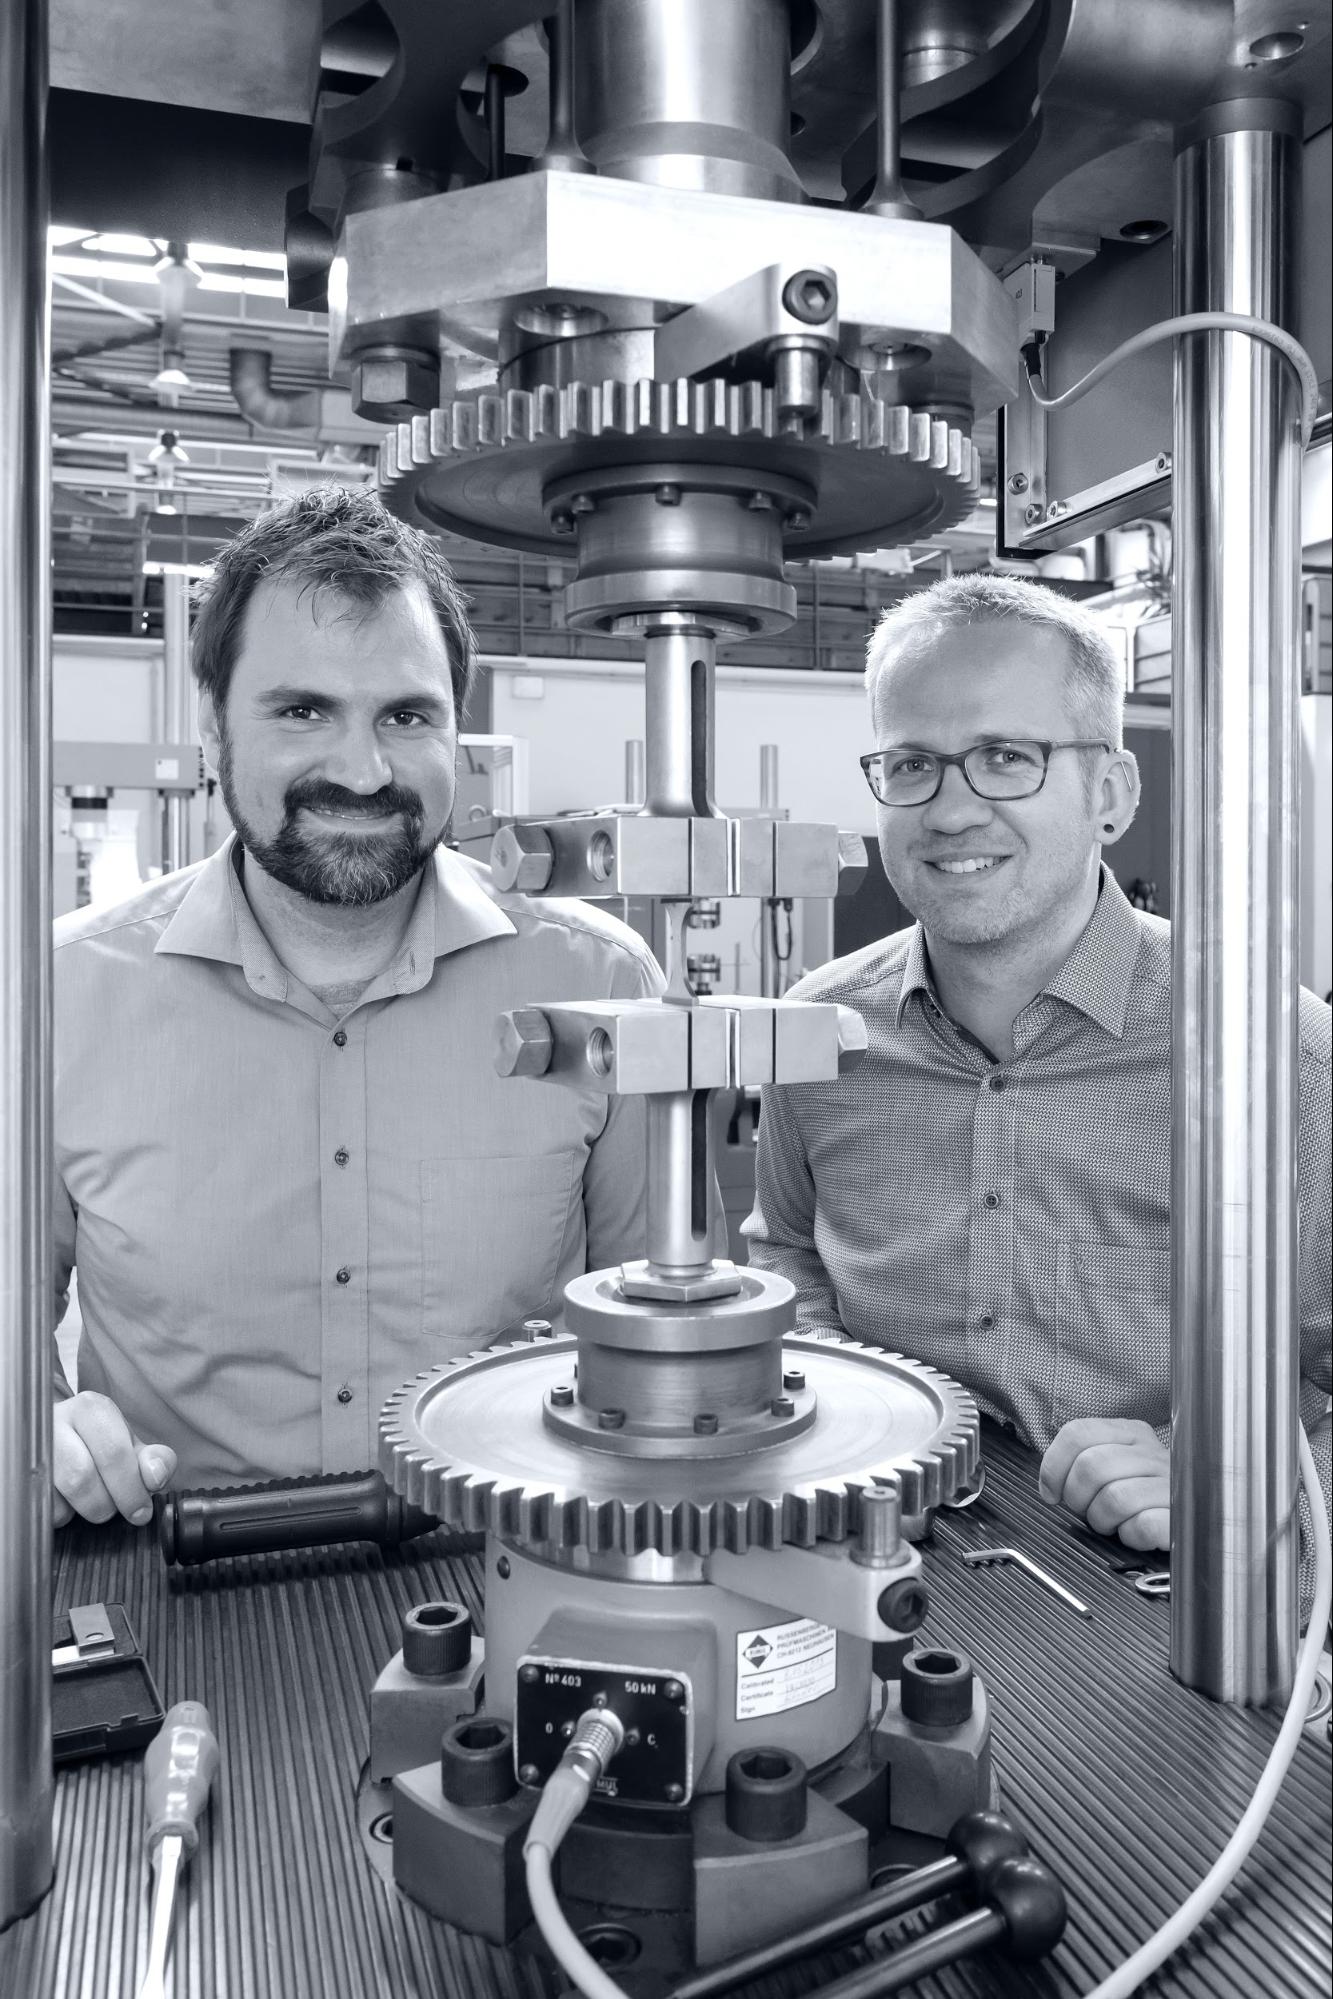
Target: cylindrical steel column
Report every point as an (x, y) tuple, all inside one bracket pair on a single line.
[(688, 94), (679, 661), (1236, 532), (680, 1183), (25, 971), (175, 713)]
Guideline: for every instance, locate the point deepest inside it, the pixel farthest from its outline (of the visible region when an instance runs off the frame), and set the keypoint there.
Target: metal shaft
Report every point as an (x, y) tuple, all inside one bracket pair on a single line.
[(680, 1180), (25, 974), (175, 712), (680, 662), (562, 150), (887, 197), (1235, 1312)]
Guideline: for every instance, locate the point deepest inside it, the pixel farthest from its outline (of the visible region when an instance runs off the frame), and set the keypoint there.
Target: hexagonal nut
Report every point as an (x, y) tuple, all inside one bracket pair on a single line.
[(852, 862), (852, 1039), (523, 1042), (388, 387), (522, 858)]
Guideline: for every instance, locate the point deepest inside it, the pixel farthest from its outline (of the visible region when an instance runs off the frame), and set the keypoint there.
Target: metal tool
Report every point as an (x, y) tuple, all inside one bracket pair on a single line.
[(977, 1558), (179, 1767), (204, 1526)]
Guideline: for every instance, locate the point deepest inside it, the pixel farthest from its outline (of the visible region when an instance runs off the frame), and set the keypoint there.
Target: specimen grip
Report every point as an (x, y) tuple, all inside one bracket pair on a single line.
[(203, 1526)]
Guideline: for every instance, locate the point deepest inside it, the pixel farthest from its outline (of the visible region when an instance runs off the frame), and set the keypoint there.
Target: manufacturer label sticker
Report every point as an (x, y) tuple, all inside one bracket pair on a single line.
[(784, 1666)]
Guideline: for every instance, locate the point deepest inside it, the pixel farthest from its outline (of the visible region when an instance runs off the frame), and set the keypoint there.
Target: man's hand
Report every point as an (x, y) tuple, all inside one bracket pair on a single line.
[(1116, 1475), (100, 1468)]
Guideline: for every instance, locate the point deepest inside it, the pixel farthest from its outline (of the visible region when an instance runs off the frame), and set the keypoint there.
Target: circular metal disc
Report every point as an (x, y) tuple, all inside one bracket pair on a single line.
[(467, 1442)]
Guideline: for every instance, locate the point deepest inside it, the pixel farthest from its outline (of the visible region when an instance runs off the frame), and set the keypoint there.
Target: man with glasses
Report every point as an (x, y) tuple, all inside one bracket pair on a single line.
[(990, 1190)]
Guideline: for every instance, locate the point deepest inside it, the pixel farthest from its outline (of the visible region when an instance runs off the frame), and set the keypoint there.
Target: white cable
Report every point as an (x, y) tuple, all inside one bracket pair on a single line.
[(1127, 1977), (1200, 322), (595, 1741)]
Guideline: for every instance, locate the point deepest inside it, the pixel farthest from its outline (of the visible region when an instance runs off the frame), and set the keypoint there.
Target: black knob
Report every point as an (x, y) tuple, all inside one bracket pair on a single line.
[(477, 1761), (1026, 1893), (765, 1794), (937, 1688), (981, 1840), (437, 1639)]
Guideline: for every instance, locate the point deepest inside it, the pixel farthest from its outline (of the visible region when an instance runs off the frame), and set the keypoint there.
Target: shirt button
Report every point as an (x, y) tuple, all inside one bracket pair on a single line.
[(340, 1038), (344, 1276), (992, 1201), (341, 1156), (344, 1394), (985, 1322), (995, 1082)]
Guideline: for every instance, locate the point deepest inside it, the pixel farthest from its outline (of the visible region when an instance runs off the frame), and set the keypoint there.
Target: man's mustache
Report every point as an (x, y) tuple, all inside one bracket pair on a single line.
[(316, 795)]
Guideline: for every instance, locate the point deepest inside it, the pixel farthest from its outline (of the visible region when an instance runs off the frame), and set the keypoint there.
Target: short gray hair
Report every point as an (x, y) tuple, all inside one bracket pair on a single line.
[(1095, 681)]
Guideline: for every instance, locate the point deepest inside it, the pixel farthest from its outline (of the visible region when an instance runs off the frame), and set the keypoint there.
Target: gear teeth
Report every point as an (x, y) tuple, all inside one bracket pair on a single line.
[(800, 1518)]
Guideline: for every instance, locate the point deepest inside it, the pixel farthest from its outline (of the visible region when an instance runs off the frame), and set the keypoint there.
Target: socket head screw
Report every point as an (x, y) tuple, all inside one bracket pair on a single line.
[(810, 297), (1018, 482), (562, 1395), (793, 1379), (1032, 513), (903, 1605), (782, 1405), (610, 1419), (705, 1424)]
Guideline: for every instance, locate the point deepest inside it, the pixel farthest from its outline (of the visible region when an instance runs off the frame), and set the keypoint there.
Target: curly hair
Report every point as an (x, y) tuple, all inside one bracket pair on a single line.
[(331, 538)]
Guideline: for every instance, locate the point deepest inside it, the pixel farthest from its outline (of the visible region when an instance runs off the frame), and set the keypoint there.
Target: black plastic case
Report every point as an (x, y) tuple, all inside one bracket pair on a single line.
[(105, 1703)]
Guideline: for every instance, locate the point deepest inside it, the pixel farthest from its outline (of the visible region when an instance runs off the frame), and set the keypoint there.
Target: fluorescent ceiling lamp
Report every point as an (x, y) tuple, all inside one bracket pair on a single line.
[(251, 260), (229, 281), (124, 246), (57, 236)]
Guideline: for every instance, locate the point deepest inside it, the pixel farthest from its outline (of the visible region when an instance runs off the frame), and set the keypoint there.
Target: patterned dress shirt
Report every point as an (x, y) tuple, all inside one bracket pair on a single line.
[(1009, 1222), (279, 1212)]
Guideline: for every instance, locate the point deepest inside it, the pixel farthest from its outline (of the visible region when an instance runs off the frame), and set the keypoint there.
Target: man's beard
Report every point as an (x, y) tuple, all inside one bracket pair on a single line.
[(352, 870)]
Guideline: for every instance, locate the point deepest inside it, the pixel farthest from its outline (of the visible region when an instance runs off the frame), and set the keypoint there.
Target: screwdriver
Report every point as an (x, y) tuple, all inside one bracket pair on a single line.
[(179, 1766)]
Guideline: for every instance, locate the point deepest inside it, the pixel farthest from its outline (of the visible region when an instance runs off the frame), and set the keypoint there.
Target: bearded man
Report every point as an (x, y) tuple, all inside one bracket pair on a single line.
[(286, 1170)]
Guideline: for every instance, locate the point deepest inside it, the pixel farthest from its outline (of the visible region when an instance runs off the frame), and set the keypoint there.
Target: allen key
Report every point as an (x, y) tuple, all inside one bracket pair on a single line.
[(976, 1558)]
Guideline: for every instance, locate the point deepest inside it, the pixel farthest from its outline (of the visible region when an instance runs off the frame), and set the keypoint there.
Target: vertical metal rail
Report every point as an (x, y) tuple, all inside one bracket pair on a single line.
[(25, 971), (1235, 1314), (175, 714)]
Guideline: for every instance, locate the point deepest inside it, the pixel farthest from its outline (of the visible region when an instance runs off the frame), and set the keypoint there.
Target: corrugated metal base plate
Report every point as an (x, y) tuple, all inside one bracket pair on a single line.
[(1125, 1782)]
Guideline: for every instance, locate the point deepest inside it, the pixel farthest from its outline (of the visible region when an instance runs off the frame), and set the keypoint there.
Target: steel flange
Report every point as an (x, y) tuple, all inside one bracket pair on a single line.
[(467, 1441)]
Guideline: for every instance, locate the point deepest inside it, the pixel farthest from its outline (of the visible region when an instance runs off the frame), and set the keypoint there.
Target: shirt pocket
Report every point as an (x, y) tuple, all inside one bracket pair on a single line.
[(491, 1235), (1113, 1331)]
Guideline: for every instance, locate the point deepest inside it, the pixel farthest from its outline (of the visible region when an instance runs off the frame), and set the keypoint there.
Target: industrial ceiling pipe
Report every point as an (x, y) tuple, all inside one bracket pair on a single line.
[(251, 383), (26, 1784)]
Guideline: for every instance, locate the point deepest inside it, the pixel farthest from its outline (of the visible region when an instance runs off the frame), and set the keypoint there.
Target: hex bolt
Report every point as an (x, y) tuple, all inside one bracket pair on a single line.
[(903, 1605), (852, 1040), (523, 1043), (562, 1395), (610, 1419), (562, 523), (797, 521), (1018, 482), (705, 1424), (810, 296), (760, 503), (793, 1379), (529, 1675), (782, 1405), (522, 858), (667, 495)]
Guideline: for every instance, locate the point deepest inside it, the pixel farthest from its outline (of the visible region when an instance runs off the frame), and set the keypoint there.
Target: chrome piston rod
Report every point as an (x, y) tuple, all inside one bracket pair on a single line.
[(1235, 1312)]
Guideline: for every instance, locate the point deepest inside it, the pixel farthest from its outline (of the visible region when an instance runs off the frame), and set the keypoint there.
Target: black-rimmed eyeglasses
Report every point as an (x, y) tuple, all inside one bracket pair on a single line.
[(911, 776)]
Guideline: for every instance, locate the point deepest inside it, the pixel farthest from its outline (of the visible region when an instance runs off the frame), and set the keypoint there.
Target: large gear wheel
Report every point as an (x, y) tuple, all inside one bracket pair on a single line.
[(466, 1441), (881, 473)]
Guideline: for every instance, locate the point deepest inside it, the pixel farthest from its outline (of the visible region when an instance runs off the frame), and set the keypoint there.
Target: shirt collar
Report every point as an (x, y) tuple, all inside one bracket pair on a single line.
[(1095, 978), (455, 907)]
